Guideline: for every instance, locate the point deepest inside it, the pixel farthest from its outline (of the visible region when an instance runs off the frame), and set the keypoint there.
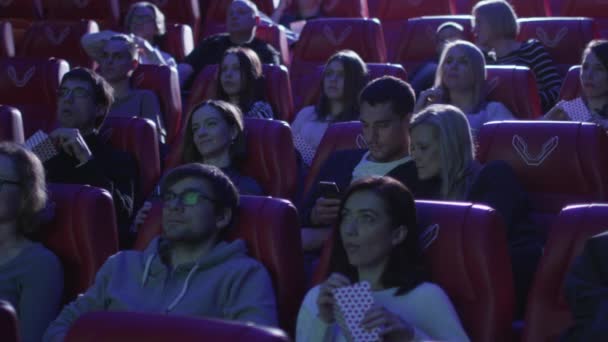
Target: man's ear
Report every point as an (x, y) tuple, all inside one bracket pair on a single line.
[(223, 219), (399, 234)]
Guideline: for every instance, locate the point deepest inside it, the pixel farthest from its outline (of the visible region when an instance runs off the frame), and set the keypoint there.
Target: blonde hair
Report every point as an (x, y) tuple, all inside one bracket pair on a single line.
[(478, 68), (159, 17), (502, 16), (456, 149)]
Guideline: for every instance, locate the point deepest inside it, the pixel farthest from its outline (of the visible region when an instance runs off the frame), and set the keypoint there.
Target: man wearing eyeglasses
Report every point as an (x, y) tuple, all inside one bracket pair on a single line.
[(83, 101), (190, 269)]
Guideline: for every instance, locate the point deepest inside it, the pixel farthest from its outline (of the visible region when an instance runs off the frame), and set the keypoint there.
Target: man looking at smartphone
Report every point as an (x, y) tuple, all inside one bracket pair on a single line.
[(386, 106)]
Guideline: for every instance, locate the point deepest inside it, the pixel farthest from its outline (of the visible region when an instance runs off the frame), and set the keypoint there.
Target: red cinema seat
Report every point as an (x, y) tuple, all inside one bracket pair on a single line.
[(523, 8), (598, 10), (82, 233), (59, 39), (138, 326), (557, 163), (277, 88), (547, 312), (21, 14), (7, 41), (9, 324), (468, 257), (30, 84), (270, 159), (564, 38), (177, 41), (516, 88), (164, 82), (410, 39), (310, 87), (176, 11), (271, 230), (105, 12), (137, 136), (321, 38), (571, 88), (339, 136), (337, 9), (11, 124)]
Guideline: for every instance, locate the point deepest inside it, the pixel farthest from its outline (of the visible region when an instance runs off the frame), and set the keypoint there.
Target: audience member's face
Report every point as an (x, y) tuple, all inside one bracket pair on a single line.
[(366, 230), (333, 80), (594, 77), (446, 35), (212, 135), (457, 70), (116, 63), (76, 106), (240, 17), (425, 150), (384, 131), (230, 75), (9, 191), (188, 211), (143, 23), (482, 30)]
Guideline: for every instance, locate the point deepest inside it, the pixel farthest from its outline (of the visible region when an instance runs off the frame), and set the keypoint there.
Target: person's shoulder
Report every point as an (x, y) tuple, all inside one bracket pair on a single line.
[(40, 257), (310, 299), (498, 109), (427, 292)]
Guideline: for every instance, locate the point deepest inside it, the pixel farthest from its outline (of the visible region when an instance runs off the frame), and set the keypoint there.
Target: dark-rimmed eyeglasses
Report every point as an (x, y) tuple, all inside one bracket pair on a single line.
[(187, 198)]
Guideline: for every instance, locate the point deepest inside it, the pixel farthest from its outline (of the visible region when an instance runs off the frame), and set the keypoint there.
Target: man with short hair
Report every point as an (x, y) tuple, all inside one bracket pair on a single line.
[(189, 270), (241, 22), (85, 157), (386, 106)]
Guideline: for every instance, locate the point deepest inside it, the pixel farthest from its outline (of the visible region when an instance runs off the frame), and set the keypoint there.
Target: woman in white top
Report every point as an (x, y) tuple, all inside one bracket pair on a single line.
[(344, 76), (460, 81), (592, 105), (377, 243)]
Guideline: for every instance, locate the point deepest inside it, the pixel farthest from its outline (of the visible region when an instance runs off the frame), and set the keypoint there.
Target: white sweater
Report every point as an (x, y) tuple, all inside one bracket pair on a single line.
[(427, 308)]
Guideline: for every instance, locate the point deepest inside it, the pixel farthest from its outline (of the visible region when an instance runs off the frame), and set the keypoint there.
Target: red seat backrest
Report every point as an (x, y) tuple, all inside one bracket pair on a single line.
[(516, 88), (557, 163), (164, 82), (177, 41), (107, 326), (11, 124), (277, 88), (410, 39), (310, 86), (105, 12), (598, 10), (270, 228), (467, 256), (7, 41), (59, 39), (564, 38), (137, 136), (321, 38), (571, 88), (175, 11), (82, 233), (523, 8), (21, 14), (547, 312), (339, 136), (9, 325), (30, 84)]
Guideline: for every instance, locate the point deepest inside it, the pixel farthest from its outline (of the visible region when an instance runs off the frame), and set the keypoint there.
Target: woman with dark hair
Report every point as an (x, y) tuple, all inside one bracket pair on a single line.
[(592, 106), (344, 75), (241, 82), (31, 276), (378, 243)]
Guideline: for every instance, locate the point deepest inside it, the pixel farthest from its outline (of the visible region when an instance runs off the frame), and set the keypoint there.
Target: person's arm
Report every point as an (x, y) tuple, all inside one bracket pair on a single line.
[(93, 43), (260, 110), (309, 327), (41, 295), (587, 293), (94, 299), (548, 79), (557, 113), (499, 111), (251, 297)]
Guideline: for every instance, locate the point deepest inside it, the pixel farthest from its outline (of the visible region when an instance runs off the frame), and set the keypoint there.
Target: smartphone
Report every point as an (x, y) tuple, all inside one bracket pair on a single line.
[(329, 190)]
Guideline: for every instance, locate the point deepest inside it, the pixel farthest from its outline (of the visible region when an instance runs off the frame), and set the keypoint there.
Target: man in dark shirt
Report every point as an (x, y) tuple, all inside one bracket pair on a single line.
[(85, 157), (386, 106), (241, 21)]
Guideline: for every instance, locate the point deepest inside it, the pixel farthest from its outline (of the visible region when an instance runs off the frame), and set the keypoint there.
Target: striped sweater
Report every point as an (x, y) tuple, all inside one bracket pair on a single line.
[(533, 54)]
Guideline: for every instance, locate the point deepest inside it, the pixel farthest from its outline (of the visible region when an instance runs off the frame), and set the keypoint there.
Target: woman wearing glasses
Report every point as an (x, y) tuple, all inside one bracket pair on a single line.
[(31, 276)]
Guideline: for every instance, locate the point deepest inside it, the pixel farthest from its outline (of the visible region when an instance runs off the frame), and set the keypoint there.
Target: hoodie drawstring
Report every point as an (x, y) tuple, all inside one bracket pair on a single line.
[(184, 289), (144, 277)]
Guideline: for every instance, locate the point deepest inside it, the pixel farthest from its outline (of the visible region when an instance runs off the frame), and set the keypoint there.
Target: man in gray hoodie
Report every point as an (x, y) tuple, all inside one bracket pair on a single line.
[(189, 270)]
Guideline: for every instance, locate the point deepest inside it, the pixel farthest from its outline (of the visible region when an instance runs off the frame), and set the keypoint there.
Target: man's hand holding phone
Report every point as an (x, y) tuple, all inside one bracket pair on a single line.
[(326, 208)]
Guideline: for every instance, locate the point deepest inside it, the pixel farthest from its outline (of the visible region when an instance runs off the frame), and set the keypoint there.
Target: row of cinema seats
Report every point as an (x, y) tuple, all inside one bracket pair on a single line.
[(476, 274)]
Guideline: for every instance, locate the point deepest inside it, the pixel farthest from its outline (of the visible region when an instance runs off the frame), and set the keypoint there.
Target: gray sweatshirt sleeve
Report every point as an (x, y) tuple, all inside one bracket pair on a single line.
[(94, 299)]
